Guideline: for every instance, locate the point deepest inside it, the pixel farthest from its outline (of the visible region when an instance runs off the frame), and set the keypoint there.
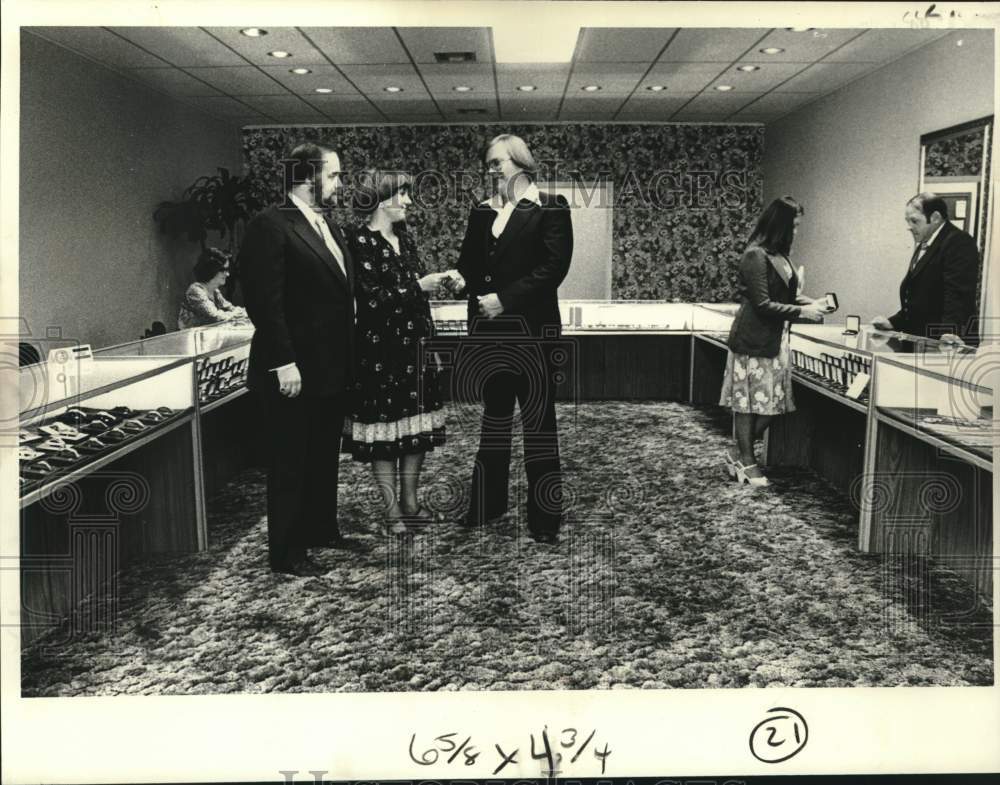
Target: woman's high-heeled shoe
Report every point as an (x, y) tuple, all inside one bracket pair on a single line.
[(743, 477), (730, 465)]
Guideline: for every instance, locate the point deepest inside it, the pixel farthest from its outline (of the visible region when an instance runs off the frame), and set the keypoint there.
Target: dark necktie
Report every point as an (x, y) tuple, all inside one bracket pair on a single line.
[(917, 254)]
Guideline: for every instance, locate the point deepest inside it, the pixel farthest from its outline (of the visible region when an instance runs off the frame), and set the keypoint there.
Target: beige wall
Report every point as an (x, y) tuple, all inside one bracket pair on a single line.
[(98, 152), (852, 158)]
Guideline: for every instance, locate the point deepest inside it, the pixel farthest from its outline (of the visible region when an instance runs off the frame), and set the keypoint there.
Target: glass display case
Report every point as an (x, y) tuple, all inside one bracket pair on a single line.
[(589, 316), (79, 411), (713, 321), (944, 397), (221, 352)]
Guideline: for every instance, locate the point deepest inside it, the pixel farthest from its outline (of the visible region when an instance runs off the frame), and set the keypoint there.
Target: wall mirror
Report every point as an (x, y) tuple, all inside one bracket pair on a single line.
[(955, 164)]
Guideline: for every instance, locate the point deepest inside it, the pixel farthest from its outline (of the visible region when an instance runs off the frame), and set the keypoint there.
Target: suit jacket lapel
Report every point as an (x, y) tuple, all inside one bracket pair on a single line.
[(311, 237), (930, 252), (338, 237), (523, 213)]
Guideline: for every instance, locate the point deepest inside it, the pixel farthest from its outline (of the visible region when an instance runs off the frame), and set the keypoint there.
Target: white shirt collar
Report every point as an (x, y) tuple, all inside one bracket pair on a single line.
[(306, 209), (530, 193)]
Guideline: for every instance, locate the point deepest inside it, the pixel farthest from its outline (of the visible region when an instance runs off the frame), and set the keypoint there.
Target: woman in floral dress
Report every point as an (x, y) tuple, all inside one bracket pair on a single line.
[(396, 413), (758, 379)]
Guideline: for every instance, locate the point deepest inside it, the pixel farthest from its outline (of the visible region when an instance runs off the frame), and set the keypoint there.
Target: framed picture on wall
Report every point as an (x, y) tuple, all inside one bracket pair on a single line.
[(962, 198)]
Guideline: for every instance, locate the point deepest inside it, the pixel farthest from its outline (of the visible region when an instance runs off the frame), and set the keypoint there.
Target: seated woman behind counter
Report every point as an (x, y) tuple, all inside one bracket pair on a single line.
[(203, 302)]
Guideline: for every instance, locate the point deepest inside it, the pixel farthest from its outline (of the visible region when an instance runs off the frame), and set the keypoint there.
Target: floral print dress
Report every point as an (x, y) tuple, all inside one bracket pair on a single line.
[(396, 406)]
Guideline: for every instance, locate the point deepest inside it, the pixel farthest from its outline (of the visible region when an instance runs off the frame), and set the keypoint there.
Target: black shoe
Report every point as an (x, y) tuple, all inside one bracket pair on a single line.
[(303, 568), (469, 521), (545, 538), (335, 541)]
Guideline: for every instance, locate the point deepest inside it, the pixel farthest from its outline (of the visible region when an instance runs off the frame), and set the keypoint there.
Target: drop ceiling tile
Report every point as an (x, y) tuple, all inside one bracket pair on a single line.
[(99, 44), (767, 78), (306, 84), (441, 79), (173, 81), (612, 78), (358, 45), (711, 44), (825, 77), (586, 116), (608, 105), (476, 116), (223, 106), (881, 46), (683, 77), (780, 103), (181, 46), (238, 80), (405, 106), (806, 47), (528, 108), (713, 103), (454, 104), (549, 78), (283, 107), (372, 79), (621, 44), (256, 50), (346, 108), (657, 107), (423, 42)]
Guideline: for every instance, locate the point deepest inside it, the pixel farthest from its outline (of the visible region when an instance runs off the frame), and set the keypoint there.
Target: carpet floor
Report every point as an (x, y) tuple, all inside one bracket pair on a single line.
[(668, 575)]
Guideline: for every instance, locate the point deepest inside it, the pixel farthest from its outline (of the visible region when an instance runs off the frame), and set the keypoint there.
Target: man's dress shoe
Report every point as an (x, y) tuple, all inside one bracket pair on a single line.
[(302, 568), (335, 541)]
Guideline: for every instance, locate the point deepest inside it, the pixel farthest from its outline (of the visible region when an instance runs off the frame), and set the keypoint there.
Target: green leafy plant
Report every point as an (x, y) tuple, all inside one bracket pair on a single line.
[(222, 203)]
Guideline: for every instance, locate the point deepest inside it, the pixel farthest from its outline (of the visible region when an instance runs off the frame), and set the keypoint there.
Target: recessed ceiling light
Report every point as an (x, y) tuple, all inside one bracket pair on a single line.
[(772, 50), (591, 88), (462, 88), (799, 29), (959, 42), (299, 71), (724, 88), (280, 54), (324, 89), (253, 32), (656, 88), (527, 88), (748, 68), (393, 89)]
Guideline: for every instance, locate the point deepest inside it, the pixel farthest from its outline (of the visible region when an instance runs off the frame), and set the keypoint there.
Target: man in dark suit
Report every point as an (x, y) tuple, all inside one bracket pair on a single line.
[(517, 250), (298, 284), (938, 293)]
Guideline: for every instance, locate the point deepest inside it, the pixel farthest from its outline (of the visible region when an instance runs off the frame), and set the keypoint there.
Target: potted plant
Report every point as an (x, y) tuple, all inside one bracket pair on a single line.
[(222, 203)]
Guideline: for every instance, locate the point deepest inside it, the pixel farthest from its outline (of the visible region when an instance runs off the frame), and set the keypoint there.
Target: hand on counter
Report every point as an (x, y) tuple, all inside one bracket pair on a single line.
[(881, 323)]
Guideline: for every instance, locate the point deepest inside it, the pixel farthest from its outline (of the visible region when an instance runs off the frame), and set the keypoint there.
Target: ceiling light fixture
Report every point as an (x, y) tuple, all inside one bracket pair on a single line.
[(748, 68), (527, 88), (656, 88), (299, 71), (799, 29), (724, 88), (591, 88), (253, 32), (462, 88), (772, 50), (324, 90), (393, 89), (280, 54)]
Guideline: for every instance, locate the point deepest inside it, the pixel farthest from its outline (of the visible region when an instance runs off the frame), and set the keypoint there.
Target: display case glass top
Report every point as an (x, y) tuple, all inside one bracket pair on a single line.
[(193, 342), (869, 341), (944, 397)]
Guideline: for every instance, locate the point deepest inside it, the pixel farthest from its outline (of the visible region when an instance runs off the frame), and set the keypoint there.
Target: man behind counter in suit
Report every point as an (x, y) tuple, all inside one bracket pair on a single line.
[(938, 293), (298, 281), (517, 250)]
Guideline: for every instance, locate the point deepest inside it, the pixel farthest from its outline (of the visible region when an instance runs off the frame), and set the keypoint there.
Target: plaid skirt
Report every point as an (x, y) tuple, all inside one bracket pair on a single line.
[(759, 385)]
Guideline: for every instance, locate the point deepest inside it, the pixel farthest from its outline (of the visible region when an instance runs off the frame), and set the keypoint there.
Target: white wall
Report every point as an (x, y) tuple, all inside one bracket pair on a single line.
[(852, 158), (98, 153)]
